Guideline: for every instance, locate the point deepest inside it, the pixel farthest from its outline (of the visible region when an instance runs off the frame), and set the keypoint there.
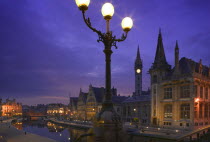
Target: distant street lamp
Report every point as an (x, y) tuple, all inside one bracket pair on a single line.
[(109, 41)]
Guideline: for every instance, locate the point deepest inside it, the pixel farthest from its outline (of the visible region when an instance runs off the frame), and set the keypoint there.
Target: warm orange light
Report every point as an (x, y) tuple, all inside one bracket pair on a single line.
[(197, 100)]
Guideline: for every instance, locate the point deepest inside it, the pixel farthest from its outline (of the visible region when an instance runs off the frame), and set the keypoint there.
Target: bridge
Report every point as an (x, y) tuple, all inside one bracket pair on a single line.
[(33, 115)]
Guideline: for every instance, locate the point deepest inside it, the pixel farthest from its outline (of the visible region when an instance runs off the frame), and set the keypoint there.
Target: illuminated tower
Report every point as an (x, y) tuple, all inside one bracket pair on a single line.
[(138, 74)]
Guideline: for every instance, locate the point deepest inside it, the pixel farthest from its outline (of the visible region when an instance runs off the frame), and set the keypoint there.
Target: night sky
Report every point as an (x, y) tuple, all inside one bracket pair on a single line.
[(47, 51)]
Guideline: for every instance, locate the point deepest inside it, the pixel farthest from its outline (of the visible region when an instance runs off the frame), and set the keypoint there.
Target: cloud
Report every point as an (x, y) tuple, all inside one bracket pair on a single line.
[(47, 50)]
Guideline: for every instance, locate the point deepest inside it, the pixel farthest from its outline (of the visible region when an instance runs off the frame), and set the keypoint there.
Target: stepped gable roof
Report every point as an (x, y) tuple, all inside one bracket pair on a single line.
[(118, 99), (83, 96), (142, 98)]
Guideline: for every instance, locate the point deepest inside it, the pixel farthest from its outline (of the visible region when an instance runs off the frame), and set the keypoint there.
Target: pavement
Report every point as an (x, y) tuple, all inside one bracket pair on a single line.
[(9, 133)]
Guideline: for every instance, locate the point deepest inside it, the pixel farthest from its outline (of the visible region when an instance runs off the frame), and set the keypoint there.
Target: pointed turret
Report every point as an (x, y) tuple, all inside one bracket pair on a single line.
[(138, 61), (160, 58), (138, 54), (200, 66), (160, 53), (176, 56)]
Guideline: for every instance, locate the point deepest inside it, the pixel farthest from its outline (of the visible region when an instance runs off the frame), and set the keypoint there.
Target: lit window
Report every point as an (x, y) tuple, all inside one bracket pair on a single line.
[(168, 111), (185, 111)]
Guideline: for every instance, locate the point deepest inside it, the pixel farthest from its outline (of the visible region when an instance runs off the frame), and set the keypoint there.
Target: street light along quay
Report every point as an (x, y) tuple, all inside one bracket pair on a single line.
[(107, 117)]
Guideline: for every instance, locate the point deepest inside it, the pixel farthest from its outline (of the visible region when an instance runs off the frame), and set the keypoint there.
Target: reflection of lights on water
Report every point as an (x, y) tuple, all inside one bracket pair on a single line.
[(60, 134), (56, 131)]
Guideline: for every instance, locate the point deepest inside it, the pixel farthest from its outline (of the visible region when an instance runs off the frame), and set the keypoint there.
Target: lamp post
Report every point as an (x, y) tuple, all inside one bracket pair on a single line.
[(108, 40), (107, 115)]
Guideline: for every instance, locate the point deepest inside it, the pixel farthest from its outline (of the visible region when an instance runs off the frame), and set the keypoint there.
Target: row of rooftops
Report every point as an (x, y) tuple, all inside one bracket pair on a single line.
[(99, 93), (9, 102)]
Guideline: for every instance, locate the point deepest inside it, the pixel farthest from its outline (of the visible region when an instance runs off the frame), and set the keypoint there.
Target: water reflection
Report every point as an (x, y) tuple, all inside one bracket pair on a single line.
[(53, 131)]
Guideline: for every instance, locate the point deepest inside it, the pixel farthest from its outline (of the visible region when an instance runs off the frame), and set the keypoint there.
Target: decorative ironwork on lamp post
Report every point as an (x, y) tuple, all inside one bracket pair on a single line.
[(108, 40)]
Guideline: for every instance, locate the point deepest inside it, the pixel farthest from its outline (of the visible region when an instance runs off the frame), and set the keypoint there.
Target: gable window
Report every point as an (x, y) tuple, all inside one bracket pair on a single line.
[(185, 91), (185, 111), (168, 111), (168, 93)]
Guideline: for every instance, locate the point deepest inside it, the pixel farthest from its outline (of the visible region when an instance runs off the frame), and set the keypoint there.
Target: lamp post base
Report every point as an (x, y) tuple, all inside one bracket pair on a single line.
[(107, 126)]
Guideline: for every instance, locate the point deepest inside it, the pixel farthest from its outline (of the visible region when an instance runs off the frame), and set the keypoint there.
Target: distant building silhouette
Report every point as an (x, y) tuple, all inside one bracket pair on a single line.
[(137, 107)]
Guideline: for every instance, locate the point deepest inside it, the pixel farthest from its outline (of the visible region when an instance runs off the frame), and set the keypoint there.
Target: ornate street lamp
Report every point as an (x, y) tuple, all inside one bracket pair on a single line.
[(109, 41)]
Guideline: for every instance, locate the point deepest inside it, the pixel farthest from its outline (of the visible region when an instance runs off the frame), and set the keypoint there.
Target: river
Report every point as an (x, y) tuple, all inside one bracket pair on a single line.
[(53, 131)]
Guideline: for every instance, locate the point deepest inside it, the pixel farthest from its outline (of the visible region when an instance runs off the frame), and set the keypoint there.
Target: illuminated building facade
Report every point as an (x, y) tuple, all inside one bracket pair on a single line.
[(11, 108), (0, 107), (88, 104), (180, 95), (57, 109)]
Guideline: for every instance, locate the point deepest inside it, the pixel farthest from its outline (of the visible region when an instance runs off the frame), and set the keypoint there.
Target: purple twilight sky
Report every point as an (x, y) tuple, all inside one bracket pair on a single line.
[(47, 51)]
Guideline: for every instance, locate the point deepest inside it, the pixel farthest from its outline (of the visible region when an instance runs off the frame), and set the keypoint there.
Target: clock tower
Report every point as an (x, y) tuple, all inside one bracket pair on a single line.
[(138, 74)]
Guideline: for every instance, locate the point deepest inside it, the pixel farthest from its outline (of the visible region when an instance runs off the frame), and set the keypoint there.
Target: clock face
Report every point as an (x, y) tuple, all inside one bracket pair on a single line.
[(138, 70)]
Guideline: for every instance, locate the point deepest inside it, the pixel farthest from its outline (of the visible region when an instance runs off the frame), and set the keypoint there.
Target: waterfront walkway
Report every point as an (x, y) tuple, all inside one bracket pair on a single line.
[(9, 133), (72, 124)]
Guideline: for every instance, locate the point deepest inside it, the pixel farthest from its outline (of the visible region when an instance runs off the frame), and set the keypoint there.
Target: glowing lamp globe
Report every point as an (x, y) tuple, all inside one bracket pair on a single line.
[(107, 11), (127, 24), (82, 4)]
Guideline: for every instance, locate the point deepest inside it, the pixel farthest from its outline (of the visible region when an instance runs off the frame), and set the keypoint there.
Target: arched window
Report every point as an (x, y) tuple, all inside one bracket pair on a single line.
[(168, 111)]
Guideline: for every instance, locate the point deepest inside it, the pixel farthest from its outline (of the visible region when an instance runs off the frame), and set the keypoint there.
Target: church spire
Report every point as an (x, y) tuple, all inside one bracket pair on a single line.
[(138, 74), (177, 55), (138, 61), (138, 54), (160, 58)]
